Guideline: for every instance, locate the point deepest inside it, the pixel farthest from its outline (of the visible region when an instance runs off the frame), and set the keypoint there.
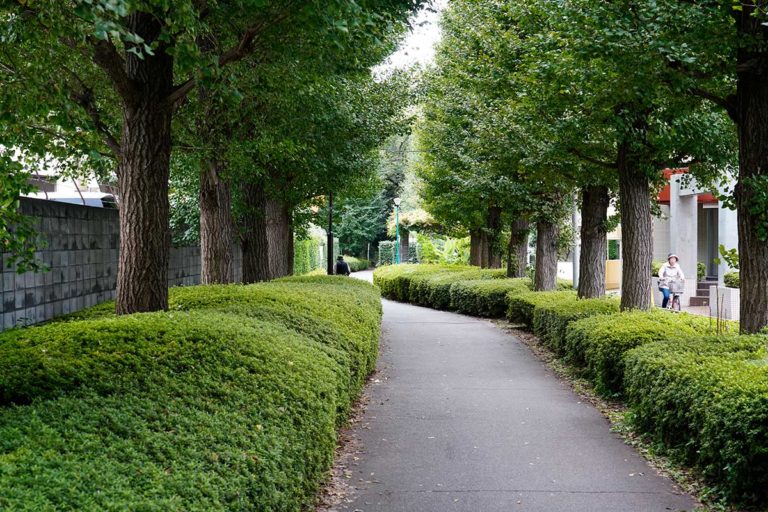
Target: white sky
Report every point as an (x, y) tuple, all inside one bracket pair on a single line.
[(418, 46)]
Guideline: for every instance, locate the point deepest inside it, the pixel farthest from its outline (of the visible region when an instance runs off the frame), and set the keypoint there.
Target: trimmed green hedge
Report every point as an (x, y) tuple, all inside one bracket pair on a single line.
[(486, 298), (520, 307), (732, 280), (228, 401), (600, 342), (395, 280), (357, 264), (470, 290), (706, 401), (305, 256), (550, 320)]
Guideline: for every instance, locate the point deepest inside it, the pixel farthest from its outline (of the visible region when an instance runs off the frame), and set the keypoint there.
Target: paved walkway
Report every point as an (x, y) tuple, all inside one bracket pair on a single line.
[(464, 418)]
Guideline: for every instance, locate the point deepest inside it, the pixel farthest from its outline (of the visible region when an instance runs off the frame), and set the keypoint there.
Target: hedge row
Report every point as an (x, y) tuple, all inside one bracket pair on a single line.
[(706, 401), (357, 264), (599, 343), (469, 290), (229, 401)]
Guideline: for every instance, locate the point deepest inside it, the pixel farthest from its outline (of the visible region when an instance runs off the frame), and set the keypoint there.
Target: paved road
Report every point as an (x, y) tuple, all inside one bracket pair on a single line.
[(464, 418)]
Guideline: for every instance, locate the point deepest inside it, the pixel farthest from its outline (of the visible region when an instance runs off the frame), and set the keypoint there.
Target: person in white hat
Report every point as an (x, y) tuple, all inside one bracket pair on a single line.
[(669, 271)]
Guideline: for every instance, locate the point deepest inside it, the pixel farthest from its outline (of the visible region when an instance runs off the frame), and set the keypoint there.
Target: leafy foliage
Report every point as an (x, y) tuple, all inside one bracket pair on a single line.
[(600, 342), (229, 401), (705, 400), (732, 280)]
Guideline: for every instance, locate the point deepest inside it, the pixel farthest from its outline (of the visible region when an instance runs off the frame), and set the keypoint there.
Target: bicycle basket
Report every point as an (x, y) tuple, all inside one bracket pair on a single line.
[(676, 286)]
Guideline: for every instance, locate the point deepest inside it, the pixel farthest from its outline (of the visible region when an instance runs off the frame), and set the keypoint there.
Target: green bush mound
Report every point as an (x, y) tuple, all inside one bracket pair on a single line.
[(732, 280), (228, 401), (470, 290), (705, 400), (395, 280), (520, 306), (435, 290), (600, 342), (486, 298), (551, 319), (357, 264)]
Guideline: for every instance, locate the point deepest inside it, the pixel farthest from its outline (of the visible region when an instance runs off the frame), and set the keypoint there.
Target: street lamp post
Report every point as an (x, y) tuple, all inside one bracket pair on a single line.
[(397, 230)]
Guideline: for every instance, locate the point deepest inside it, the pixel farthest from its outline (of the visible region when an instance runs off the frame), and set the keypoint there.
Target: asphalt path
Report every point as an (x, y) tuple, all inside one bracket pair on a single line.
[(463, 417)]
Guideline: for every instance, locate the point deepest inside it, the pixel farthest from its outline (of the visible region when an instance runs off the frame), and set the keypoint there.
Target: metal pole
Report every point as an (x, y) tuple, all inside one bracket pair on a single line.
[(397, 234), (576, 222), (330, 234)]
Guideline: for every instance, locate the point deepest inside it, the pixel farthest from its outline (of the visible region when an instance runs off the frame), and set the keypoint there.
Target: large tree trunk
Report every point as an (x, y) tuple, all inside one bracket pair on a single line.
[(404, 245), (215, 226), (475, 247), (751, 114), (636, 241), (280, 238), (494, 237), (517, 249), (143, 172), (594, 241), (484, 249), (252, 225), (547, 237)]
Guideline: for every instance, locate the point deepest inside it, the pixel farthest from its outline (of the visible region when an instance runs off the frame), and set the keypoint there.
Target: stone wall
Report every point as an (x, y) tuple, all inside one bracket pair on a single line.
[(81, 251)]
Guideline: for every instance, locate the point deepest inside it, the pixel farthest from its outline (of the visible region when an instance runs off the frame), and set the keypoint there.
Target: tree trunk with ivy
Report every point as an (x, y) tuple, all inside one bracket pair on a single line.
[(594, 240)]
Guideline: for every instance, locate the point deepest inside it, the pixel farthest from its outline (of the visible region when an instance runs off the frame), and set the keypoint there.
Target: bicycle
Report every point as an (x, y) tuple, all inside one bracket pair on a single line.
[(676, 288)]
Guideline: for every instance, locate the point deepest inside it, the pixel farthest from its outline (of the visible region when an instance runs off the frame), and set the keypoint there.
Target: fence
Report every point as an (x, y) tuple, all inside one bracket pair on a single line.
[(82, 254)]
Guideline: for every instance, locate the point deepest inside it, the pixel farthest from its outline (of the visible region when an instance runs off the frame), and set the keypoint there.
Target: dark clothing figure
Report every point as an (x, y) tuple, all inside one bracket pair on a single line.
[(342, 267)]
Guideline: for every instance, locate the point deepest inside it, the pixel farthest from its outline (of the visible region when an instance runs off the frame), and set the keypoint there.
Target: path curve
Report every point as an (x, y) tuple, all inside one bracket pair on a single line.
[(464, 418)]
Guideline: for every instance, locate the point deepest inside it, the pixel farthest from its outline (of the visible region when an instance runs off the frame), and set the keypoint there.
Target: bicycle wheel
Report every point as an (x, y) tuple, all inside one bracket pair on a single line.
[(676, 305)]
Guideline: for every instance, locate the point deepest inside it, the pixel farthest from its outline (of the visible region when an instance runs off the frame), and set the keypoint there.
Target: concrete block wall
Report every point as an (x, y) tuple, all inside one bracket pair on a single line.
[(82, 252)]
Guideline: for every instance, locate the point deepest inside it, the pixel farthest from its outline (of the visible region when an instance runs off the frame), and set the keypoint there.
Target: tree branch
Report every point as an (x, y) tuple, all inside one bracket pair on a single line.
[(596, 161), (728, 103), (245, 46), (85, 99), (105, 55)]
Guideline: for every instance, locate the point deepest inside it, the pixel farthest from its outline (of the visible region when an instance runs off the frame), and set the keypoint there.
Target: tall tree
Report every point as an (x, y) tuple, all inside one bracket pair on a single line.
[(147, 55)]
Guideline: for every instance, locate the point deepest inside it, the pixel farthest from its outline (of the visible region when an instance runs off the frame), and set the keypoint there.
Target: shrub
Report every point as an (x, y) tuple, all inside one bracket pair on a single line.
[(655, 268), (229, 401), (701, 271), (706, 401), (600, 342), (357, 264), (520, 306), (732, 280), (486, 298), (435, 290), (386, 252), (550, 320), (395, 281), (305, 256)]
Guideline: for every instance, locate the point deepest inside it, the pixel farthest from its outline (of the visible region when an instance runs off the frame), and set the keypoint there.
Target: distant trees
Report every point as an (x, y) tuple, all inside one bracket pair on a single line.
[(538, 100)]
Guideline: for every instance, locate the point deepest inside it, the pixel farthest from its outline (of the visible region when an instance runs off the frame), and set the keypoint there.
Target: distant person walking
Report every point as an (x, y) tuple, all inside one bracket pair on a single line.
[(669, 273), (342, 267)]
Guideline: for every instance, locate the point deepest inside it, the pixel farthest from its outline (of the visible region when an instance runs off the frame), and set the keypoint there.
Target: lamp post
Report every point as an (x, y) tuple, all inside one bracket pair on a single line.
[(397, 230)]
